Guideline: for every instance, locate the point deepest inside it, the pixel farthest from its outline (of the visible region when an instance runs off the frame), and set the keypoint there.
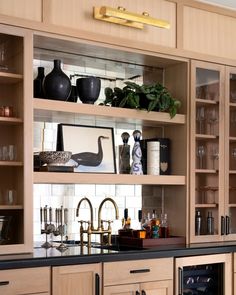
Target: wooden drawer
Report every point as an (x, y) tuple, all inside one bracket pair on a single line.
[(138, 271), (25, 281), (78, 14)]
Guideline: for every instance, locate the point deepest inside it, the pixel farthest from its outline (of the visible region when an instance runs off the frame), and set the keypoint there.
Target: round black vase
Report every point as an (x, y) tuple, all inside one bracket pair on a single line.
[(38, 83), (88, 89), (56, 84)]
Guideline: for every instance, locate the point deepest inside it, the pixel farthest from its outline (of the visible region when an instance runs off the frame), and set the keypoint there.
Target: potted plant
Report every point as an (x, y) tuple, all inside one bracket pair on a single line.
[(154, 97)]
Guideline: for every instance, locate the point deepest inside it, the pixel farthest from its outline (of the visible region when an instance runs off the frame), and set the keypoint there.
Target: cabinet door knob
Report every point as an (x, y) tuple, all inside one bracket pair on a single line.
[(222, 225), (97, 284), (180, 280), (227, 223), (139, 270), (4, 283)]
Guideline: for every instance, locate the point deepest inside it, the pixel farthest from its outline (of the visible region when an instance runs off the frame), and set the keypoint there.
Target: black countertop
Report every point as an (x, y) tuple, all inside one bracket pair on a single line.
[(82, 255)]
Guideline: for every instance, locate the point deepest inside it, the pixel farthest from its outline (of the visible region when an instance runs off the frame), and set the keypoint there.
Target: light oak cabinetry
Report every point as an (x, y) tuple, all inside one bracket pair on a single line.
[(25, 281), (77, 280), (16, 130), (151, 276), (212, 147)]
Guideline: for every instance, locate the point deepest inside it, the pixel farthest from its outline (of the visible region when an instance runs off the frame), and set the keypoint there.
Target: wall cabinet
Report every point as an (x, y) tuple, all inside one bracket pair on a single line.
[(16, 129), (151, 276), (25, 281), (212, 147), (77, 279)]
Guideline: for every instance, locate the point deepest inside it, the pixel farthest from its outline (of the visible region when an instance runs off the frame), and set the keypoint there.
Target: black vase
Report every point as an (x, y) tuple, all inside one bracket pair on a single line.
[(88, 89), (56, 84), (73, 95), (38, 83)]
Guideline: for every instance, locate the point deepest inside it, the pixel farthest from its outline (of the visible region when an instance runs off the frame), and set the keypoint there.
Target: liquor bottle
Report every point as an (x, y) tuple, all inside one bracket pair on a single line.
[(164, 228), (155, 226), (198, 223), (210, 224)]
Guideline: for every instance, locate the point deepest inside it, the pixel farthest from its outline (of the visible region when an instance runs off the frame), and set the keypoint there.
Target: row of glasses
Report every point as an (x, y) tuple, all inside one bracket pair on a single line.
[(201, 154), (207, 194), (209, 116)]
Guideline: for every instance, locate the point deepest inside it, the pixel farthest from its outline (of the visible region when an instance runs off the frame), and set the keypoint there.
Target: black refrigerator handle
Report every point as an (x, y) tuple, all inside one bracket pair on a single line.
[(222, 225), (180, 281), (97, 284)]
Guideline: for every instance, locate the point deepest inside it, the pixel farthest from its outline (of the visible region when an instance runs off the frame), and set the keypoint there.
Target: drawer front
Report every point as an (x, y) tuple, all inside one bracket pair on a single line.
[(78, 14), (25, 281), (125, 272)]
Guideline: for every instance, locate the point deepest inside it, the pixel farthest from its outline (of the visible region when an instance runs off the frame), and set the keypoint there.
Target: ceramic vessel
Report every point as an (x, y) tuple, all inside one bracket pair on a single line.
[(55, 158), (88, 89), (57, 84), (38, 83)]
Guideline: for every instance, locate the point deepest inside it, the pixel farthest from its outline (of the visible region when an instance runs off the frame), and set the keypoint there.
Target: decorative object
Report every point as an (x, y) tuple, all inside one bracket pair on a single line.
[(124, 154), (88, 89), (153, 157), (55, 158), (73, 95), (125, 18), (96, 154), (154, 97), (56, 84), (136, 167), (38, 83)]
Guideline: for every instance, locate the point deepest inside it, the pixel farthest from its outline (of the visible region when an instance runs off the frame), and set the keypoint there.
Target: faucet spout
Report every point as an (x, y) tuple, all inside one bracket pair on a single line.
[(90, 207), (100, 210)]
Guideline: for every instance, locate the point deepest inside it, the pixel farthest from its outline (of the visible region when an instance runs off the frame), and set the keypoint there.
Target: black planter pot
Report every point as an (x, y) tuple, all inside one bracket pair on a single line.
[(88, 89), (56, 84), (38, 83)]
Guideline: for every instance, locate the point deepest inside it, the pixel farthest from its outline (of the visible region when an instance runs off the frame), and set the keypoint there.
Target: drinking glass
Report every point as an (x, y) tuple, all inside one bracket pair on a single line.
[(214, 156), (201, 118), (212, 119), (201, 152)]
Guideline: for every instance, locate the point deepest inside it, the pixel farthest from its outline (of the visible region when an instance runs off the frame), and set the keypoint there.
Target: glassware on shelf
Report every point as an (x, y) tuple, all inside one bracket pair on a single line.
[(201, 153), (200, 118), (214, 156), (212, 118)]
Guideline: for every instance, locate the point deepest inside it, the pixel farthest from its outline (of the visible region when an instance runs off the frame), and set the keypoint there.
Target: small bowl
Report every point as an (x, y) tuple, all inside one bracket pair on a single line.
[(55, 158)]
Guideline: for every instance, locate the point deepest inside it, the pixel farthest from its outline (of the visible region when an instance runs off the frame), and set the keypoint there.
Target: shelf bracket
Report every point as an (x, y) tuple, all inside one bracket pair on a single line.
[(125, 18)]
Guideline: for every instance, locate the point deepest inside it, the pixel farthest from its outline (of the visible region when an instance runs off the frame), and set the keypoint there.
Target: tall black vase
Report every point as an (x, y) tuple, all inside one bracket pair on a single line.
[(56, 84), (38, 83)]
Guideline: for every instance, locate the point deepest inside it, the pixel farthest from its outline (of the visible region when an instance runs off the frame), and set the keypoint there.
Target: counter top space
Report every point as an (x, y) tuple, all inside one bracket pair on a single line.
[(83, 255)]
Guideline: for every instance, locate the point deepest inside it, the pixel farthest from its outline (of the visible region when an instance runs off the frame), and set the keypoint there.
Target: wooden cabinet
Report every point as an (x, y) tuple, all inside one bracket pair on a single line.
[(204, 274), (77, 279), (212, 147), (78, 15), (16, 130), (151, 276), (25, 281), (24, 9)]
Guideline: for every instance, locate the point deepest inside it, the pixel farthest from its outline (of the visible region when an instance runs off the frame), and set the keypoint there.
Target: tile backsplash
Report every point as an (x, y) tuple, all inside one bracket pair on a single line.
[(68, 196)]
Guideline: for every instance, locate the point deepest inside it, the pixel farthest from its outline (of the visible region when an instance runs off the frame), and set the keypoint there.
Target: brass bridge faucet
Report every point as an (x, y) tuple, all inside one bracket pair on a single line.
[(90, 228)]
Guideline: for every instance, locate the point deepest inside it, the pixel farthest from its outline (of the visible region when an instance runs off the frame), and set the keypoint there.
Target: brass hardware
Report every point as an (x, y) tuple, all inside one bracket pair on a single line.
[(90, 228), (123, 17)]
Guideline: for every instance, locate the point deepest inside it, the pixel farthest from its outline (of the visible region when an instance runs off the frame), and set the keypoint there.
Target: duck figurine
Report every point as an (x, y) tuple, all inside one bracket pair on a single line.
[(89, 158)]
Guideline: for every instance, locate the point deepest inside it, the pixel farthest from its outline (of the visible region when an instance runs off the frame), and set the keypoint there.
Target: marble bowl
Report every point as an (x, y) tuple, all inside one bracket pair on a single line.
[(55, 158)]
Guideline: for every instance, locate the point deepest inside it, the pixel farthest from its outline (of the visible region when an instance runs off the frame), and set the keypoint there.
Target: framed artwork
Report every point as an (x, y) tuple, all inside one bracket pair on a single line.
[(92, 147)]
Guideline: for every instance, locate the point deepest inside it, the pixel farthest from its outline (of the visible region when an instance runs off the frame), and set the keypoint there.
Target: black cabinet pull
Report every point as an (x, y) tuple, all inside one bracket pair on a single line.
[(222, 225), (97, 284), (227, 222), (140, 270), (180, 280), (143, 292), (4, 283)]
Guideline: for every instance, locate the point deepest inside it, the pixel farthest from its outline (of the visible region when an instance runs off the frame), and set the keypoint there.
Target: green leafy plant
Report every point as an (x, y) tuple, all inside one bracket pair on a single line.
[(153, 97)]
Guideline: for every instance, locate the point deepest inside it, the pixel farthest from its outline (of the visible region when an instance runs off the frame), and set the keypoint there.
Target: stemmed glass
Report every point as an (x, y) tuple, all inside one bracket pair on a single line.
[(212, 119), (201, 152), (214, 156), (200, 118)]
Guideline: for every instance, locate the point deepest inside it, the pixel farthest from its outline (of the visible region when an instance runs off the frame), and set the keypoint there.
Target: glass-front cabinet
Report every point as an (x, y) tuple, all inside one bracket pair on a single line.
[(212, 139)]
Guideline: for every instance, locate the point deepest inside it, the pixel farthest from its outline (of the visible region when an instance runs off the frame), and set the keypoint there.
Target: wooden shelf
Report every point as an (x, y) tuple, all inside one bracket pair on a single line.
[(232, 138), (205, 101), (206, 171), (11, 163), (206, 205), (10, 78), (56, 111), (232, 104), (91, 178), (10, 120), (232, 205), (206, 136), (232, 171), (11, 207)]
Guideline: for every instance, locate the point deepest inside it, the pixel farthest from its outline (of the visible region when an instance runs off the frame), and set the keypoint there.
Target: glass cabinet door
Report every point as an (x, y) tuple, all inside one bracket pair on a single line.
[(230, 150), (206, 166)]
